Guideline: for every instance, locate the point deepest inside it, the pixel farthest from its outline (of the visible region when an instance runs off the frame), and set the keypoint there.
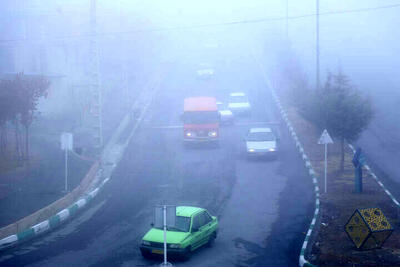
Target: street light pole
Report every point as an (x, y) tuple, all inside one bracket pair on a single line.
[(287, 18), (317, 46)]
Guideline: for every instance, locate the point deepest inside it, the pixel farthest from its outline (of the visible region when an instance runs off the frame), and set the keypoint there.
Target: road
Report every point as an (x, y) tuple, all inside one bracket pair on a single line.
[(264, 206), (381, 140)]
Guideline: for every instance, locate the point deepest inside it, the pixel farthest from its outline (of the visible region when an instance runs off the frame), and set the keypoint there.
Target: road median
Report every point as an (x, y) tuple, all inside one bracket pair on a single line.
[(326, 243)]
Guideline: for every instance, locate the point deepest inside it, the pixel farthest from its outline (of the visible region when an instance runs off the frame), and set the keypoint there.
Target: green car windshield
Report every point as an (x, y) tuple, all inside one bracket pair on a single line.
[(182, 224)]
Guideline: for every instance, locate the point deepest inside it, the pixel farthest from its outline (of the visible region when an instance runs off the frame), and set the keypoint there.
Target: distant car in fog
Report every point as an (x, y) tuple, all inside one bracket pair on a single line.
[(261, 142), (226, 115), (239, 104), (194, 227), (205, 71)]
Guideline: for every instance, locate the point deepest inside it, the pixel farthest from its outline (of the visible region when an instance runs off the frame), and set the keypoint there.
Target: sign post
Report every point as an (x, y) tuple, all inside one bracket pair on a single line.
[(164, 217), (66, 144), (325, 139)]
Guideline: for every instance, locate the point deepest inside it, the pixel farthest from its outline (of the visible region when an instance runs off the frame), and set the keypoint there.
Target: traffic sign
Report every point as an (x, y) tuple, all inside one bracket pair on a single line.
[(67, 141), (325, 138)]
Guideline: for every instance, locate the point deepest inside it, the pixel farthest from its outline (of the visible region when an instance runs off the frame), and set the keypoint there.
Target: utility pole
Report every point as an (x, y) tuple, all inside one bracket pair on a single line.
[(96, 120), (317, 47), (124, 61), (287, 19)]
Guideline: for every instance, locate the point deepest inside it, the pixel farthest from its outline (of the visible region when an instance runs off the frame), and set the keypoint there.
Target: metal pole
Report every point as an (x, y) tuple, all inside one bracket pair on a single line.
[(326, 165), (66, 170), (287, 18), (165, 235), (317, 47)]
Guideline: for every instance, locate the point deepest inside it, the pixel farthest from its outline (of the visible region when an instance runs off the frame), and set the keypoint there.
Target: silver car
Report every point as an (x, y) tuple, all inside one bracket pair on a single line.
[(226, 115), (261, 142)]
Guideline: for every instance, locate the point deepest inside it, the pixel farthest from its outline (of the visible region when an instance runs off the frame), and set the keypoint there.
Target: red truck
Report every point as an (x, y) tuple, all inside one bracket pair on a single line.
[(200, 120)]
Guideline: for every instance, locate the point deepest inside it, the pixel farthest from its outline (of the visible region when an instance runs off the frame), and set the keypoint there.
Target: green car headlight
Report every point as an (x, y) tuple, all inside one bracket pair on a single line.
[(174, 245), (251, 150), (146, 243)]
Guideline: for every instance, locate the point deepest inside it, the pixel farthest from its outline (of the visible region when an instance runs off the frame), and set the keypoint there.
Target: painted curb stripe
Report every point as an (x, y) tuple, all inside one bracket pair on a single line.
[(9, 240), (378, 181), (54, 221), (64, 214), (73, 209), (302, 261), (41, 227), (25, 235)]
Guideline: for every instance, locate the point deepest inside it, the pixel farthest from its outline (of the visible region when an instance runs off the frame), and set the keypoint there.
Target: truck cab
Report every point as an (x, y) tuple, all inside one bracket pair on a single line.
[(200, 120)]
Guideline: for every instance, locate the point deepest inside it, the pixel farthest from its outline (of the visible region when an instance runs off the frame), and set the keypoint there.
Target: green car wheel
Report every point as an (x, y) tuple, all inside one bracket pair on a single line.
[(211, 241)]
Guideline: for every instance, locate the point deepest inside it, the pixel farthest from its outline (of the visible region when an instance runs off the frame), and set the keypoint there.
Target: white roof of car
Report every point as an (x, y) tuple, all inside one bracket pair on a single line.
[(260, 130), (237, 94)]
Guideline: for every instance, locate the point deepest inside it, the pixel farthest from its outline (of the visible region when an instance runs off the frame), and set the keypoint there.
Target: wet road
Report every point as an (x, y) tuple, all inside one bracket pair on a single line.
[(263, 207)]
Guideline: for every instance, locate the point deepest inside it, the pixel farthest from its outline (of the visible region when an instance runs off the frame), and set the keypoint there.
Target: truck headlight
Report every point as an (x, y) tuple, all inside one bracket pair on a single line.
[(212, 134), (271, 149), (174, 245), (189, 134), (146, 243), (251, 150)]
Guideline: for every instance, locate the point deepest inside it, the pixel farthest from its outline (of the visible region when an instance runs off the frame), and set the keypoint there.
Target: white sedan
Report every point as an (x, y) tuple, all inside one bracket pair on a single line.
[(239, 103), (226, 115), (261, 142)]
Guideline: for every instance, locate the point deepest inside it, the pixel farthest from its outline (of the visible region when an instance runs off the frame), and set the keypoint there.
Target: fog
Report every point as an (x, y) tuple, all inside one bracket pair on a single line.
[(360, 37)]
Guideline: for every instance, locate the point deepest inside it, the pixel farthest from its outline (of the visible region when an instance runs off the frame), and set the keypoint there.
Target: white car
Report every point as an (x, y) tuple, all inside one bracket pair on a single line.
[(261, 142), (226, 115), (205, 71), (239, 103)]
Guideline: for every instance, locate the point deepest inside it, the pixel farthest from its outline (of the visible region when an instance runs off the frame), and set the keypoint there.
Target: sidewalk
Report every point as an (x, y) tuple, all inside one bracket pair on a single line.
[(24, 191)]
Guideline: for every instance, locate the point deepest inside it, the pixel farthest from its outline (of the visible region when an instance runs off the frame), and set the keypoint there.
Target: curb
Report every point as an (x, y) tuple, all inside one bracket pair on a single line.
[(378, 181), (63, 215), (52, 222), (311, 172), (302, 260)]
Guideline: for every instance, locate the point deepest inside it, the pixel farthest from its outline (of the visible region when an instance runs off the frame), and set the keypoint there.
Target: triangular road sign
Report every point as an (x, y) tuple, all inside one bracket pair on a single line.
[(325, 138)]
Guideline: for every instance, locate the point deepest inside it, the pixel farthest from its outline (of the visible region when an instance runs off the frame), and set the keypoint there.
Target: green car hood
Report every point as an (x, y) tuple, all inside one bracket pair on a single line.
[(157, 235)]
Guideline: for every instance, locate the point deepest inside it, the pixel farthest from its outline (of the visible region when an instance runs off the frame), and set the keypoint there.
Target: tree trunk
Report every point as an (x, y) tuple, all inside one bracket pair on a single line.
[(342, 155), (27, 142), (18, 149), (3, 139)]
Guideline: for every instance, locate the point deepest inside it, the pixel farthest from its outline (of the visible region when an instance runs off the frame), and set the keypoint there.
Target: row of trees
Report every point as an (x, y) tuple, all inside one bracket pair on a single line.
[(19, 98), (338, 107)]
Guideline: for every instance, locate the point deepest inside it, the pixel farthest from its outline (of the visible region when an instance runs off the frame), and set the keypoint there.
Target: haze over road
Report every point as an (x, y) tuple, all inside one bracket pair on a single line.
[(254, 200)]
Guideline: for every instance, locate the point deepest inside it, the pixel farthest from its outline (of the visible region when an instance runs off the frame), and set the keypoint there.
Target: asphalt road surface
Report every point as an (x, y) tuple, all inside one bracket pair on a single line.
[(264, 206), (381, 140)]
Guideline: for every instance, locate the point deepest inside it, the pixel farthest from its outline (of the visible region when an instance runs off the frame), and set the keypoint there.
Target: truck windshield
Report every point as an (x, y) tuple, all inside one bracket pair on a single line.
[(201, 117)]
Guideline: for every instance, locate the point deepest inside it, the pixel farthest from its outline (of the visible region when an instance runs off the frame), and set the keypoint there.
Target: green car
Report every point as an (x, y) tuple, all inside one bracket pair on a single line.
[(194, 228)]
